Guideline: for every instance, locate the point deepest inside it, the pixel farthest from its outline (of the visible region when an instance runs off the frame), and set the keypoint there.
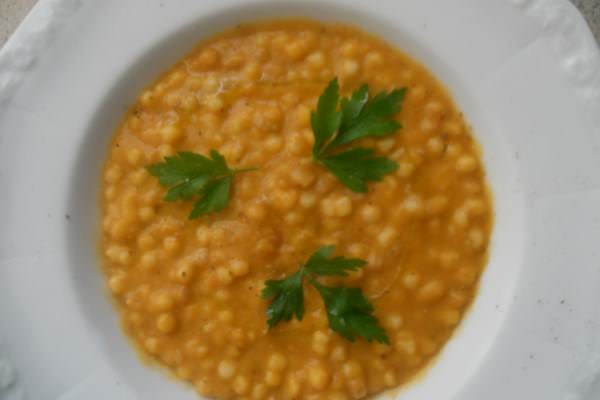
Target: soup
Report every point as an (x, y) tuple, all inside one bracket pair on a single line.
[(189, 290)]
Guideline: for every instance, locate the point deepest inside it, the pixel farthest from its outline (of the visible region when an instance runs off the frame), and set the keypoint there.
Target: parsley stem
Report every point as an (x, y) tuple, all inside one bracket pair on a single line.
[(320, 288), (249, 169), (312, 280)]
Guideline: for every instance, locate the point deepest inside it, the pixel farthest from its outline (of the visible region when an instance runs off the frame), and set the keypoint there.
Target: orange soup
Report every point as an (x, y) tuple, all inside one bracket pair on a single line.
[(189, 290)]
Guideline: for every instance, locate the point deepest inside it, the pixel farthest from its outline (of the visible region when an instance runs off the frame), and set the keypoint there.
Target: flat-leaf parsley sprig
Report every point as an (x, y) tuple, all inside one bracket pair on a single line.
[(349, 312), (358, 117), (189, 174)]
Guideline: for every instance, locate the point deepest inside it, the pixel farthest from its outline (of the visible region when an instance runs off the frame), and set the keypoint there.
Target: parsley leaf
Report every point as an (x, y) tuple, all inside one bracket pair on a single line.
[(352, 107), (348, 310), (350, 313), (189, 174), (359, 117), (185, 165), (186, 189), (321, 263), (374, 116), (326, 119), (357, 166), (215, 196), (287, 298)]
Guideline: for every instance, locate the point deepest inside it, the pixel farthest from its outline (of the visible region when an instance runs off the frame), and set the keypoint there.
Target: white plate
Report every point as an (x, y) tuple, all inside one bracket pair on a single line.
[(527, 76)]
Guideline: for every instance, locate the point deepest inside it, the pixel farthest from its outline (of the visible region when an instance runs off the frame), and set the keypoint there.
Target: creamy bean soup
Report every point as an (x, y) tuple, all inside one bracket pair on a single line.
[(190, 290)]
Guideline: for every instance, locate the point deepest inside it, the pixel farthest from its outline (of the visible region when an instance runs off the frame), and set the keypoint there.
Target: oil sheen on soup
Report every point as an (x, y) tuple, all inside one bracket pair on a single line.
[(189, 291)]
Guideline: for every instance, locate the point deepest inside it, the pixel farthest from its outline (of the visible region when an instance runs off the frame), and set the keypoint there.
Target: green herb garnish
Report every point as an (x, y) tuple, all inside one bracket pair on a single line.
[(358, 117), (189, 174), (348, 310)]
